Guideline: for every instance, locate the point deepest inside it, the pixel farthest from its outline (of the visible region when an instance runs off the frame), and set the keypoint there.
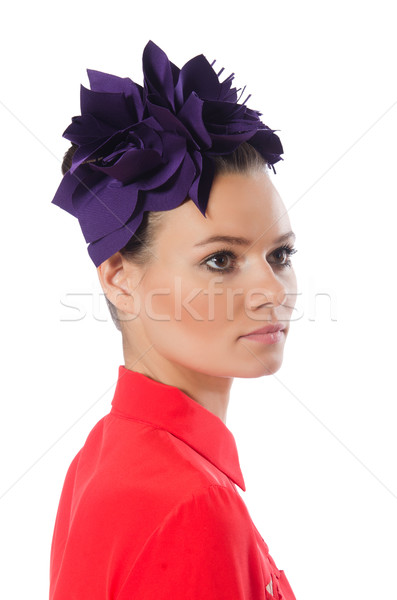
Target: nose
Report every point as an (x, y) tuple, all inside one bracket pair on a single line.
[(266, 289)]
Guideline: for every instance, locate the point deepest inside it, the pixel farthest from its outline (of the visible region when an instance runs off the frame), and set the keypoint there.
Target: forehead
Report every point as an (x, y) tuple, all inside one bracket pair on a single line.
[(239, 205)]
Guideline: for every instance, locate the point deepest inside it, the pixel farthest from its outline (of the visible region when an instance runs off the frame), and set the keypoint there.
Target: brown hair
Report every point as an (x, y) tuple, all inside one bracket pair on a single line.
[(244, 159)]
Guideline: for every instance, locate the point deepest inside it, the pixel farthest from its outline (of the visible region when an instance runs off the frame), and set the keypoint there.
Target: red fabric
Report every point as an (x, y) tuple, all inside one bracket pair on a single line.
[(149, 509)]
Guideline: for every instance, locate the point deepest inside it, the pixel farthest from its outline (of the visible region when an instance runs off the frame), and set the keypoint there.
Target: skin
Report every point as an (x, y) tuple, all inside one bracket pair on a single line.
[(181, 323)]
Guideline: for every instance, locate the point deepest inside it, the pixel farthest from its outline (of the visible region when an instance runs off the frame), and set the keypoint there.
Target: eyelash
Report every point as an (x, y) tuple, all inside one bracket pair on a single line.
[(289, 250)]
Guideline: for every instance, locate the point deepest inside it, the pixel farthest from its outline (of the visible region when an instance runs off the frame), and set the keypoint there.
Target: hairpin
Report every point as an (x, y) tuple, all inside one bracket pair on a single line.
[(148, 148)]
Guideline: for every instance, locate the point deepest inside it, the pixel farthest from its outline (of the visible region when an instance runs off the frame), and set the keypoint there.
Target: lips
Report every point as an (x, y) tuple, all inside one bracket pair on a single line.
[(267, 329)]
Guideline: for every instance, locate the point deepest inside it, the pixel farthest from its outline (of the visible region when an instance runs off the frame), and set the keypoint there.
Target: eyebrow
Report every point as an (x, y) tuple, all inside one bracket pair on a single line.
[(241, 241)]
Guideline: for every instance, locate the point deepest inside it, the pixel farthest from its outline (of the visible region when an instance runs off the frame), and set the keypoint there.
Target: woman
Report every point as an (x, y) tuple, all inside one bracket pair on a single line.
[(192, 243)]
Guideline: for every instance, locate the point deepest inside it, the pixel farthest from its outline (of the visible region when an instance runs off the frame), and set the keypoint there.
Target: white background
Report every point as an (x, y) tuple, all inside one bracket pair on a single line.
[(317, 441)]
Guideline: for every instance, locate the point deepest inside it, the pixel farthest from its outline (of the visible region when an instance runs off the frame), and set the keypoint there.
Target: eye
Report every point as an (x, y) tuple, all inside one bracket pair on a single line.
[(221, 256), (286, 251), (282, 255)]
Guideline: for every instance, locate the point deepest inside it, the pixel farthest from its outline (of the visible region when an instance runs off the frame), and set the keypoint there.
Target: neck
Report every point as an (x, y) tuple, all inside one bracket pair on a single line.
[(210, 391)]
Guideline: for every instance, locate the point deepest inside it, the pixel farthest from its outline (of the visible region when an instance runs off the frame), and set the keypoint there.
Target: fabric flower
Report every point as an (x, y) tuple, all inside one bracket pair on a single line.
[(149, 148)]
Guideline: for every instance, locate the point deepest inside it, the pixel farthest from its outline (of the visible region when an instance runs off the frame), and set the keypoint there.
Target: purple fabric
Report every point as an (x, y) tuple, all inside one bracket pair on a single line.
[(149, 148)]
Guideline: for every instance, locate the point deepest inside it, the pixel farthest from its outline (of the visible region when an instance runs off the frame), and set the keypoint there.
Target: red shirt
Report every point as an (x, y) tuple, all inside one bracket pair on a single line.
[(149, 509)]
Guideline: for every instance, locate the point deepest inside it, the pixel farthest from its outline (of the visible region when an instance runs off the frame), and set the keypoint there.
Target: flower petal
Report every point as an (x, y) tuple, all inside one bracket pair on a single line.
[(268, 144), (63, 195), (204, 184), (148, 128), (191, 116), (174, 154), (168, 121), (158, 73), (198, 76), (132, 164), (197, 159), (103, 204), (105, 82), (111, 108), (225, 143), (108, 245), (174, 191), (85, 129)]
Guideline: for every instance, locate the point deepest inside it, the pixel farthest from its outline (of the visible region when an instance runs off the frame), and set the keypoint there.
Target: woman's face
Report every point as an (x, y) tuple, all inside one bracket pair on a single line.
[(196, 299)]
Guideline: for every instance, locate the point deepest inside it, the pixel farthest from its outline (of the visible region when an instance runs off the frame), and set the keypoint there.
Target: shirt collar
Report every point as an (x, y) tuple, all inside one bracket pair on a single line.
[(139, 397)]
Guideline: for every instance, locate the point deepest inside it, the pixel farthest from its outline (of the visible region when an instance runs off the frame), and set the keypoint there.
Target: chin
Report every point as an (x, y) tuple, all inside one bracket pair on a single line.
[(258, 367)]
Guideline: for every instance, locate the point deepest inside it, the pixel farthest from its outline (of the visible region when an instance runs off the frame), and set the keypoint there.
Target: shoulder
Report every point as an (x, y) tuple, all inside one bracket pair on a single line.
[(122, 488), (144, 511), (132, 462), (213, 519), (204, 548)]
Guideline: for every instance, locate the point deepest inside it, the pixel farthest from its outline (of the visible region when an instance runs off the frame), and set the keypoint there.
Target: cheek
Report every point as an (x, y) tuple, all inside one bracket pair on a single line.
[(291, 290), (182, 304)]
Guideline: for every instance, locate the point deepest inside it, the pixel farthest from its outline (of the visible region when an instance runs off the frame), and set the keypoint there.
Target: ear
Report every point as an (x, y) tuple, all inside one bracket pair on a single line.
[(119, 278)]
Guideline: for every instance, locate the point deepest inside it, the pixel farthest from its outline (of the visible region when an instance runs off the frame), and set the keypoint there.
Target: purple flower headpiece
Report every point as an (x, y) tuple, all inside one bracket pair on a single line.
[(149, 148)]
